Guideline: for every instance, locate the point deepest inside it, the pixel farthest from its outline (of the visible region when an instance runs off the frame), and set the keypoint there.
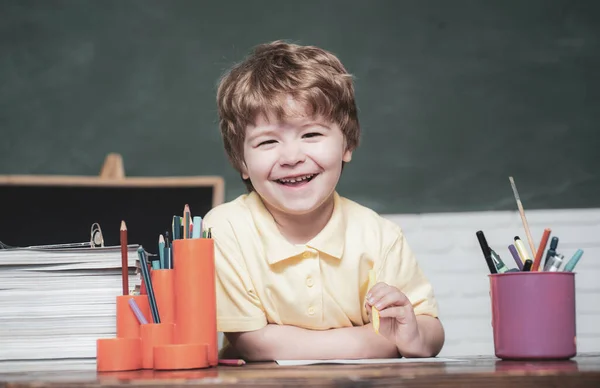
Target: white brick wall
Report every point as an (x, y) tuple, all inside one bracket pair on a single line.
[(448, 251)]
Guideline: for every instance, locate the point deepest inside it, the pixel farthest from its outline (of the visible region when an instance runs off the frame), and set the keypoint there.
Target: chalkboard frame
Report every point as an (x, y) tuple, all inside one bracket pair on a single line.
[(216, 182)]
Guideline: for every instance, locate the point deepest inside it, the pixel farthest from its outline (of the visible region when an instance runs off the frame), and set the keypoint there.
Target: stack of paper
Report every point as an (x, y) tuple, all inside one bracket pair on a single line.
[(55, 303)]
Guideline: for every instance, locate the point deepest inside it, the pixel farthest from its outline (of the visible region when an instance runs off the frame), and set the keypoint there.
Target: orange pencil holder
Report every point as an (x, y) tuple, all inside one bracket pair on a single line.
[(154, 334), (128, 325), (195, 295), (118, 354), (164, 293), (180, 356)]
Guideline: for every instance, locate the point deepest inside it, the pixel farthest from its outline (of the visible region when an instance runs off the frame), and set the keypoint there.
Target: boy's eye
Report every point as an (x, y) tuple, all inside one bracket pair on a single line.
[(312, 134), (266, 142)]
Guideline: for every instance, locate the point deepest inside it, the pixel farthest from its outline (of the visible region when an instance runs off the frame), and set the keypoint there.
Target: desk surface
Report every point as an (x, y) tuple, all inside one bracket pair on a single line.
[(582, 371)]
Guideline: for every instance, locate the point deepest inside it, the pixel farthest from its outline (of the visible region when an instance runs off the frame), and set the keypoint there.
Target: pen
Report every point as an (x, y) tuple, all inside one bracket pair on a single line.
[(487, 254), (148, 282), (554, 263), (551, 251), (521, 249), (515, 255), (570, 266), (498, 262), (527, 265)]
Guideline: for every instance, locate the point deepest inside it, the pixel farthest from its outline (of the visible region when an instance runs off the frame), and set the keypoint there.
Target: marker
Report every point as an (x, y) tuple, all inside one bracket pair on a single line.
[(176, 227), (521, 249), (197, 231), (573, 262), (527, 265), (551, 251), (515, 255), (487, 254), (554, 263), (540, 251), (498, 262)]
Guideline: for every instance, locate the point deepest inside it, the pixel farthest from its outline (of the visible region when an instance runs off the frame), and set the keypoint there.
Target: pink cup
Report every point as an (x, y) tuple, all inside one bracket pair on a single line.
[(533, 315)]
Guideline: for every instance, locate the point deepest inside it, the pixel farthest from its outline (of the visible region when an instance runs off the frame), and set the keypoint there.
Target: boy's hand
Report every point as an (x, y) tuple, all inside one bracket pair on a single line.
[(398, 323)]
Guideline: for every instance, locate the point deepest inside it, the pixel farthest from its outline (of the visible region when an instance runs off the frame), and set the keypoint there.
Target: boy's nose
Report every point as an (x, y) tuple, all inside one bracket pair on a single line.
[(291, 155)]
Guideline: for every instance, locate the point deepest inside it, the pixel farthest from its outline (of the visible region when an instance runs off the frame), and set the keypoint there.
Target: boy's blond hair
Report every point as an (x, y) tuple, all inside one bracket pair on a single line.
[(261, 84)]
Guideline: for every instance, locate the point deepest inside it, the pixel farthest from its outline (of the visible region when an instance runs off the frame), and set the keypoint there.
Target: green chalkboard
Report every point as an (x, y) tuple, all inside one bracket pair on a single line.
[(454, 96)]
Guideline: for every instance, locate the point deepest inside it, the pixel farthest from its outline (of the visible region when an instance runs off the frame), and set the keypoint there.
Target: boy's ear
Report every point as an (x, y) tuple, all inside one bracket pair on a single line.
[(244, 171), (347, 156)]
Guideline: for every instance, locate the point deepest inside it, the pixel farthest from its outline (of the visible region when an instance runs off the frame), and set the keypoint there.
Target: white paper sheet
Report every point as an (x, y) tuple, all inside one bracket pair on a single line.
[(366, 361)]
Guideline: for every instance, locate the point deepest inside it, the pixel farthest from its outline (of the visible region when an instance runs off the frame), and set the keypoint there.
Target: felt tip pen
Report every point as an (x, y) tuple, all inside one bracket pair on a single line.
[(487, 254), (554, 263), (515, 255), (570, 266), (527, 265), (521, 249), (551, 251), (197, 231), (498, 262)]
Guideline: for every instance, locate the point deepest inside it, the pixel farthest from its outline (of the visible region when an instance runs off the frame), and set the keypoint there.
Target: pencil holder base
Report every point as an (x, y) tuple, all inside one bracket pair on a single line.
[(180, 356), (118, 354)]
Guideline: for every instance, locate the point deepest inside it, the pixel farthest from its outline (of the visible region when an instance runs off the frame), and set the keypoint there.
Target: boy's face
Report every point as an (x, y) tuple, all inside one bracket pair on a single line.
[(294, 165)]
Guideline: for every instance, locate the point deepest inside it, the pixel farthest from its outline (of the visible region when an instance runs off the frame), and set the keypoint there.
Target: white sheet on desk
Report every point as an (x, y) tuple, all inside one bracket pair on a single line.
[(366, 361)]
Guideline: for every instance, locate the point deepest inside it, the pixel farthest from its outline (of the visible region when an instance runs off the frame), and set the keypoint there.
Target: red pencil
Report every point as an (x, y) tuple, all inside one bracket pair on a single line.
[(540, 251), (124, 262), (232, 362)]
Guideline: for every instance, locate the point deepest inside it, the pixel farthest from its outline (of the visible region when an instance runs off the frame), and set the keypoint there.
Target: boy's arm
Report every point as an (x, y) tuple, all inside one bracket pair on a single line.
[(429, 341), (282, 342), (408, 298)]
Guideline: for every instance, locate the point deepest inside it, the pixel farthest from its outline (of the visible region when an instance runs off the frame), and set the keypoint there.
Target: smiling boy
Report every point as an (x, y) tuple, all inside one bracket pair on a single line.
[(292, 256)]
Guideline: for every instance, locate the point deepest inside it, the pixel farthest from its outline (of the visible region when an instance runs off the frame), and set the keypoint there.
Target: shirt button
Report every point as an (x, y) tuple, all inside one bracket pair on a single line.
[(307, 254), (311, 310), (310, 282)]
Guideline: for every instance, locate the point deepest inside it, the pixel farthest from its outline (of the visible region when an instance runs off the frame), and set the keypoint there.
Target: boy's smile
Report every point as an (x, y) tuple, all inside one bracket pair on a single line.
[(295, 164)]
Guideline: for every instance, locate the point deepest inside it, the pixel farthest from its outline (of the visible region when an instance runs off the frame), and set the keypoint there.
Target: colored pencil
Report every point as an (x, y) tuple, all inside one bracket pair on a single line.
[(124, 262), (186, 221), (161, 251), (540, 251), (232, 362)]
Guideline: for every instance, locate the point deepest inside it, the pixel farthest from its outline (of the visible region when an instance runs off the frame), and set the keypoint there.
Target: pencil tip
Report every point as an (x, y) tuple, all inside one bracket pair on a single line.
[(161, 238), (123, 226)]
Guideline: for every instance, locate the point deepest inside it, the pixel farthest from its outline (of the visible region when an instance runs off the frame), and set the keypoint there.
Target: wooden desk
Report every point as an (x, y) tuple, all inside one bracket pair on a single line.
[(582, 371)]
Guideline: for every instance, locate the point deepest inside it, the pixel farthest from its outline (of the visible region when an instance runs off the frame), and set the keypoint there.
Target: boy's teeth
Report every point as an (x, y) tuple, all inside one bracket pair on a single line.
[(297, 179)]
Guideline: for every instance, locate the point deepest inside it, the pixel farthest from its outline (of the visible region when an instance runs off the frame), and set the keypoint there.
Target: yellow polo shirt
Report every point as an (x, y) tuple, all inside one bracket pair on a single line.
[(261, 278)]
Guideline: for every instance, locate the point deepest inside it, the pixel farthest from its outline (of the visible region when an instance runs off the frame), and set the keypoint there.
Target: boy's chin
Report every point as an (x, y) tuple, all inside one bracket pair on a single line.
[(300, 208)]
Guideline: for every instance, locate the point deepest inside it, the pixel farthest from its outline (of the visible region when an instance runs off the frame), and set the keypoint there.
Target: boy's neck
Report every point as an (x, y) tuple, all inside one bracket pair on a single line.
[(300, 229)]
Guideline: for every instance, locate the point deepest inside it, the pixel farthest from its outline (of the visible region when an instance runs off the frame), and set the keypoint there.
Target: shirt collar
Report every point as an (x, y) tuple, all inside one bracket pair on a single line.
[(329, 241)]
